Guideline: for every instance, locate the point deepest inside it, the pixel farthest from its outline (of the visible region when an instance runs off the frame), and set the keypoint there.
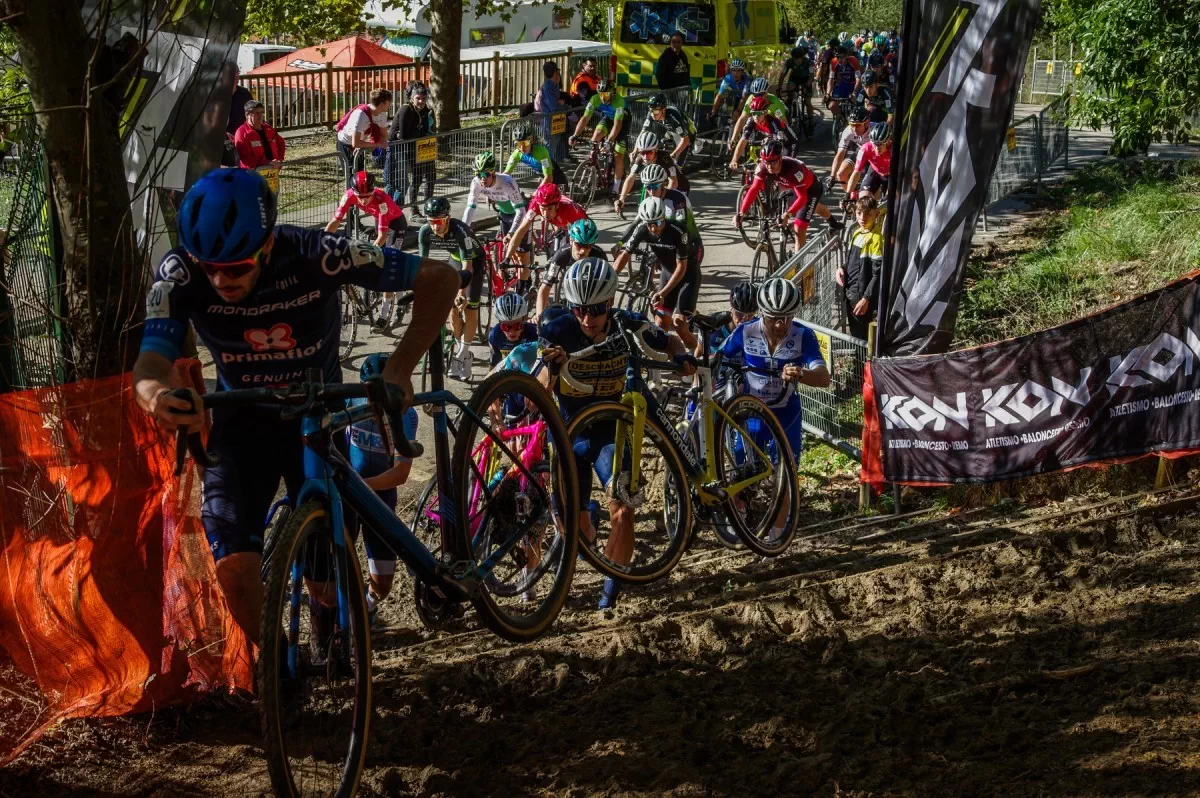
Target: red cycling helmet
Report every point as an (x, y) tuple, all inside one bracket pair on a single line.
[(364, 182), (771, 151), (759, 102), (547, 194)]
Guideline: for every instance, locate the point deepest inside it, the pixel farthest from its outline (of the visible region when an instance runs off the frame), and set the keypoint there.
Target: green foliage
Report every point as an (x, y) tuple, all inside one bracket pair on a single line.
[(1137, 73), (14, 91), (304, 21), (1123, 228), (830, 17)]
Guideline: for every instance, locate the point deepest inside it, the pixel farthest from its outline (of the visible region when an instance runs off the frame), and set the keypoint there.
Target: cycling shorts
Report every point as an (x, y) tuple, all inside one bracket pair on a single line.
[(256, 449), (596, 452), (873, 180), (621, 145), (478, 272), (507, 226), (842, 91), (789, 418), (380, 557), (812, 198), (683, 296)]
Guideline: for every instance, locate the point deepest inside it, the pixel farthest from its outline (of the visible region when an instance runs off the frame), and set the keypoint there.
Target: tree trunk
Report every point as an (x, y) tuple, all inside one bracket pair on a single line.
[(78, 115), (446, 16)]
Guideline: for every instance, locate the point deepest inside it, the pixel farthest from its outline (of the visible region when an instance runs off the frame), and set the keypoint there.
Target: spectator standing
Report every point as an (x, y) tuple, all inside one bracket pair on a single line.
[(584, 84), (413, 121), (860, 277), (549, 102), (256, 142), (673, 70), (365, 126), (237, 114)]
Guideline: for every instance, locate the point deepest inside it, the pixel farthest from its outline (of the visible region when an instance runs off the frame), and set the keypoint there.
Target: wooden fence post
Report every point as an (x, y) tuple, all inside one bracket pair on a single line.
[(495, 83), (329, 113)]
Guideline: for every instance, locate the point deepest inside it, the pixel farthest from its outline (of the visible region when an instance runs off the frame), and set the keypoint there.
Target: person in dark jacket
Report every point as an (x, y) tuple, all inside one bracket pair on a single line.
[(864, 262), (414, 120), (237, 115), (673, 69)]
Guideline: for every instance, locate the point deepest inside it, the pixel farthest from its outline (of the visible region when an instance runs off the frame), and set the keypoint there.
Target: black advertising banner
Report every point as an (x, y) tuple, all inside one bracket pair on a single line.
[(1122, 383), (962, 64), (176, 100)]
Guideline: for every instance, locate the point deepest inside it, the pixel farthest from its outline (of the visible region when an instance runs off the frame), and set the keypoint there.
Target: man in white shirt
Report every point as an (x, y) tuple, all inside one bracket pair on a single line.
[(364, 127)]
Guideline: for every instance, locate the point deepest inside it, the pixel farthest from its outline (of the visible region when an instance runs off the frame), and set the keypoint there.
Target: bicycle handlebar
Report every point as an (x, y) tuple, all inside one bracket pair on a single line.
[(620, 342)]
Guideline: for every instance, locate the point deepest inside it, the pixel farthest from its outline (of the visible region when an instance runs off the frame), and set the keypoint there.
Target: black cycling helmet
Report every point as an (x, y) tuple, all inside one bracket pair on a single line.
[(771, 150), (436, 207), (858, 115), (808, 33), (876, 59), (833, 42), (799, 52), (881, 132), (743, 297), (657, 101), (869, 79)]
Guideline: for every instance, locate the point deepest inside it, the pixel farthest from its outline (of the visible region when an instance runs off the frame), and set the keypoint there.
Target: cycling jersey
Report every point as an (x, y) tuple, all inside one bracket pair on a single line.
[(459, 242), (845, 73), (799, 73), (568, 211), (879, 106), (881, 162), (851, 141), (290, 320), (674, 123), (367, 454), (672, 244), (613, 110), (795, 175), (764, 126), (538, 159), (747, 346), (664, 160), (379, 205), (503, 193), (501, 345), (562, 259), (736, 89), (679, 211), (775, 107), (605, 373)]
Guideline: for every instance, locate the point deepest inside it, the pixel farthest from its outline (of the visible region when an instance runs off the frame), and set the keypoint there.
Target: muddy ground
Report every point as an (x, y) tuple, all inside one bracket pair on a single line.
[(1006, 651)]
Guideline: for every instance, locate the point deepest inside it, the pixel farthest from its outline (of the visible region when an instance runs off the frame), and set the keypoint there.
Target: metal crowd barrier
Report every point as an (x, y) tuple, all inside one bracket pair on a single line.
[(1052, 77), (814, 270), (835, 414), (1020, 159), (310, 189)]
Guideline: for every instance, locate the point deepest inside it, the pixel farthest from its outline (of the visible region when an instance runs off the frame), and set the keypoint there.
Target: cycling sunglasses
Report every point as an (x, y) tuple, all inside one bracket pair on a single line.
[(511, 326), (653, 186), (485, 174), (233, 269), (595, 311), (776, 319)]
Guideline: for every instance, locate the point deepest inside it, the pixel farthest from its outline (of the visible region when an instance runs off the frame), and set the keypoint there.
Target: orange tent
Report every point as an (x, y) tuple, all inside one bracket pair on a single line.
[(355, 51)]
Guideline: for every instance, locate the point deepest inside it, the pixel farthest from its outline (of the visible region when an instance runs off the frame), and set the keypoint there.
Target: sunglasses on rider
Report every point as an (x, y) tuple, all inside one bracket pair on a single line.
[(776, 319), (485, 174), (511, 326), (232, 270), (653, 186), (595, 311)]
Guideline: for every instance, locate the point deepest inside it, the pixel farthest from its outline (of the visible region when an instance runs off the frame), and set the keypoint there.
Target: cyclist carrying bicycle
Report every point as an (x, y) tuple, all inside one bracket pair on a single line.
[(263, 298), (875, 161), (588, 288), (667, 120), (774, 167), (648, 154), (535, 156), (384, 471), (582, 235), (678, 257), (761, 127), (853, 137), (457, 240), (733, 88), (609, 107), (390, 224), (763, 102), (502, 192), (548, 203)]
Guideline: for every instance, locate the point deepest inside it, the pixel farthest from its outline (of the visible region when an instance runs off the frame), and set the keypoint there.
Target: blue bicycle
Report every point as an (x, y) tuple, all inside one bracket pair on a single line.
[(314, 668)]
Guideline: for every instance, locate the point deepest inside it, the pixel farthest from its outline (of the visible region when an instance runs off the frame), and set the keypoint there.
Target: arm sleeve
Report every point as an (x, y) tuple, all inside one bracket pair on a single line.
[(279, 143), (860, 163), (469, 211), (633, 235), (868, 278), (756, 186), (494, 345), (423, 241), (513, 160), (618, 109), (244, 149), (543, 156), (810, 350), (348, 201)]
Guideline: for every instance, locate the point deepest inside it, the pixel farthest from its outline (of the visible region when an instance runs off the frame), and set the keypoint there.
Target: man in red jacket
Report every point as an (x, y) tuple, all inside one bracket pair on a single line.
[(256, 142)]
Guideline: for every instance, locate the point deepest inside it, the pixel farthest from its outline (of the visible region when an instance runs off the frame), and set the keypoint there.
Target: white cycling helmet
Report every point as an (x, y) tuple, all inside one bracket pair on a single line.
[(653, 173), (758, 86), (646, 140), (652, 209), (589, 282), (737, 63), (511, 307), (779, 297)]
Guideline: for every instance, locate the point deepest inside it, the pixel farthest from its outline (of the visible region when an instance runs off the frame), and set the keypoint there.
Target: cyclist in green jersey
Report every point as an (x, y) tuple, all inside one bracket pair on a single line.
[(535, 156), (610, 125), (775, 107), (459, 242)]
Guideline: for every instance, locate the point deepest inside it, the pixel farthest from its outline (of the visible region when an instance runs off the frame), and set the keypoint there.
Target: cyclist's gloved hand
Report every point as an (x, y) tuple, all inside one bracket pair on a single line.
[(172, 411), (554, 356)]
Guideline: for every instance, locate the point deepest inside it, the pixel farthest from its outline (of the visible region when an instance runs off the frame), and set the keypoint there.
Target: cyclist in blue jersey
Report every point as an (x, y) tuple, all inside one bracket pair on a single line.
[(733, 88), (743, 306), (776, 342), (384, 471), (264, 300), (588, 288)]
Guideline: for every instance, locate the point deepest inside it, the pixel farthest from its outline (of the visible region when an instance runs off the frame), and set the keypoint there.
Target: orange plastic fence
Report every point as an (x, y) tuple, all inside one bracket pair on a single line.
[(109, 602)]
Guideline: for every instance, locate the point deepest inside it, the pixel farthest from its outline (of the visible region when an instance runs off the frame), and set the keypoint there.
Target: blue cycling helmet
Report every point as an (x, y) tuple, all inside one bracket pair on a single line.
[(372, 366), (226, 216), (583, 231)]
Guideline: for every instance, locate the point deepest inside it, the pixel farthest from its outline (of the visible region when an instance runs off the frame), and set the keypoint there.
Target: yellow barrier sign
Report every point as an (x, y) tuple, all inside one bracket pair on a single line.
[(808, 286), (271, 175), (558, 124), (824, 343), (427, 149), (1011, 138), (1049, 67), (1078, 67)]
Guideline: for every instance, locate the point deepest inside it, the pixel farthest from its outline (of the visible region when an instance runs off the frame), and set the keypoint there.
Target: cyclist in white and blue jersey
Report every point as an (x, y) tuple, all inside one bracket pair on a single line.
[(776, 342), (264, 300), (733, 88)]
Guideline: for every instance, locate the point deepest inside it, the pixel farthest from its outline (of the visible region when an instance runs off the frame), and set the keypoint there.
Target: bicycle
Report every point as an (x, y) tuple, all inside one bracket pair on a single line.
[(546, 238), (767, 259), (320, 666), (502, 277), (597, 170), (759, 209), (635, 294), (719, 163), (355, 304), (717, 476), (839, 120)]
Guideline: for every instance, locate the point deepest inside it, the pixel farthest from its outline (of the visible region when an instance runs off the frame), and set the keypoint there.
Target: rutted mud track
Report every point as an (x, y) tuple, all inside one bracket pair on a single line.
[(1027, 652)]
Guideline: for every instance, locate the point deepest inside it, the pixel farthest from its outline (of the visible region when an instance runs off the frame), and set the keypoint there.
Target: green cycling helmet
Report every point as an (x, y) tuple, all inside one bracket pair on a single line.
[(436, 207), (583, 231), (485, 161)]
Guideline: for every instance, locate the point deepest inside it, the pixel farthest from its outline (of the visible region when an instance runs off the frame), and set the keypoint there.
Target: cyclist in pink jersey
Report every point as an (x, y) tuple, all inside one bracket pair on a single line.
[(791, 173), (390, 223), (549, 203), (877, 152)]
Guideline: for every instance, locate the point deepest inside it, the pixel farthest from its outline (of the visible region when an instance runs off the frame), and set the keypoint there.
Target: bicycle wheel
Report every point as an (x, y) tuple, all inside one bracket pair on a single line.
[(752, 222), (662, 521), (352, 309), (435, 612), (583, 184), (766, 513), (521, 532), (314, 677), (764, 263)]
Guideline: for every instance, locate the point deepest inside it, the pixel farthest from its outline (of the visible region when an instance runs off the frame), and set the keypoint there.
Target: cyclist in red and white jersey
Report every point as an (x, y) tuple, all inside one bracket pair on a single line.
[(390, 224), (548, 203), (791, 173), (877, 154)]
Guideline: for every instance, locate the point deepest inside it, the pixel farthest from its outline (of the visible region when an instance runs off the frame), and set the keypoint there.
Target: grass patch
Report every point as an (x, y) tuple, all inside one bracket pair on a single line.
[(1112, 231)]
